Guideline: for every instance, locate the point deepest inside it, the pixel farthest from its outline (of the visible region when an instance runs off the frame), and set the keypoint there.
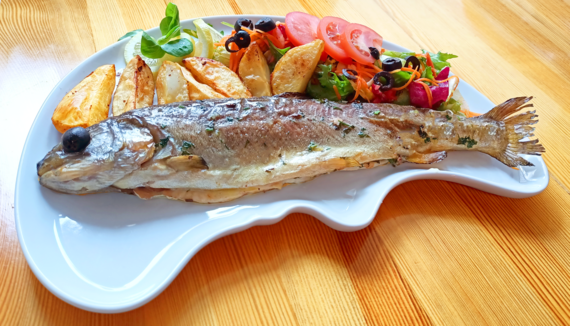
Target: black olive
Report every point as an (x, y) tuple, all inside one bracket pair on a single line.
[(75, 140), (414, 61), (265, 24), (228, 42), (350, 76), (242, 39), (389, 80), (390, 64), (374, 53), (247, 23)]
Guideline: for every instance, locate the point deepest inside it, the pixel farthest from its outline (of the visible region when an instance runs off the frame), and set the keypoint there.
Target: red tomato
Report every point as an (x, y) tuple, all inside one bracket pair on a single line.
[(330, 29), (356, 40), (301, 28)]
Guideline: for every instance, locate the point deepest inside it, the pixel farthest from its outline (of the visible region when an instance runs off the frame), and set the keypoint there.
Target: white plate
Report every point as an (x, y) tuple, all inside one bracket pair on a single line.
[(114, 252)]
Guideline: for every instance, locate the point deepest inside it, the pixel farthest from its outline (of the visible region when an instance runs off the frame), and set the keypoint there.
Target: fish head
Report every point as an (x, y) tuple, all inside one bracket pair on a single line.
[(117, 148)]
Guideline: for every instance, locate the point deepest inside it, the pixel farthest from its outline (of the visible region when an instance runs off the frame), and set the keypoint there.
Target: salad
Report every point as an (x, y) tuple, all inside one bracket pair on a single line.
[(353, 66)]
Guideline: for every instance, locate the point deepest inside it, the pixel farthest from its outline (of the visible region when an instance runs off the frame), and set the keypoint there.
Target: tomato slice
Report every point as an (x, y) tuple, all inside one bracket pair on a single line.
[(329, 30), (356, 40), (301, 28)]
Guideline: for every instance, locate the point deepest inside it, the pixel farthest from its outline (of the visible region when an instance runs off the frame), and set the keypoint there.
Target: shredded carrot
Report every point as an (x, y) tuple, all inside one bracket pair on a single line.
[(358, 86), (429, 62), (239, 55), (249, 31), (432, 81), (415, 72), (395, 71), (428, 92), (408, 82), (275, 40), (375, 68), (337, 93)]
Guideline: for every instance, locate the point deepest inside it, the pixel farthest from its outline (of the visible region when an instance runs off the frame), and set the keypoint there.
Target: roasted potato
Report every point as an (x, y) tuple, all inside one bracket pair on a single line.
[(136, 87), (293, 72), (254, 71), (175, 83), (88, 102), (216, 75)]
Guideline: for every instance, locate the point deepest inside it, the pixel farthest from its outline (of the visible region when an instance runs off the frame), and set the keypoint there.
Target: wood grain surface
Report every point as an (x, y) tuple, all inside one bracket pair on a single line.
[(437, 253)]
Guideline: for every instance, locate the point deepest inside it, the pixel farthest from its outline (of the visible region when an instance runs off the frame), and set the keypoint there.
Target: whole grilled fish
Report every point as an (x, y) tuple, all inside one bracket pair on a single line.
[(218, 150)]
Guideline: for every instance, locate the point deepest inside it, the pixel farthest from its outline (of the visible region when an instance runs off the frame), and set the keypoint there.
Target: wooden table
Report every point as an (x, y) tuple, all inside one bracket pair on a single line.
[(437, 252)]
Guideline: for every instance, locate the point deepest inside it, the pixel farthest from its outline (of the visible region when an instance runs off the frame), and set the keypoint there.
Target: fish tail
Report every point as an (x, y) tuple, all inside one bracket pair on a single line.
[(518, 127)]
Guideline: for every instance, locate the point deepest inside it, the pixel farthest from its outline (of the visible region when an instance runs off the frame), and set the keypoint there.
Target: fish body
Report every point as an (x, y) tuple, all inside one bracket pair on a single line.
[(218, 150)]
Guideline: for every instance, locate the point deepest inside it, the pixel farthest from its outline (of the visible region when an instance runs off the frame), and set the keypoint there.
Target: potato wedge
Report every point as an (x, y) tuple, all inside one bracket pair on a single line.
[(293, 72), (216, 75), (254, 71), (135, 89), (88, 102), (175, 83)]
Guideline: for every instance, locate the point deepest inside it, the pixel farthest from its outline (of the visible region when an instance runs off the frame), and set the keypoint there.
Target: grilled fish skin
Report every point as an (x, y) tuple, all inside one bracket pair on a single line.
[(218, 150)]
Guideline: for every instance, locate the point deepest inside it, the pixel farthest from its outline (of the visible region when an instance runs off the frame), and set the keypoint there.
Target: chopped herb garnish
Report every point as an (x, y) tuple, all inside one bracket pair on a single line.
[(422, 133), (377, 112), (230, 119), (164, 141), (246, 108), (209, 129), (182, 106), (186, 145), (427, 140), (362, 134), (467, 141), (448, 117), (392, 161), (312, 146), (342, 123), (336, 108), (162, 126)]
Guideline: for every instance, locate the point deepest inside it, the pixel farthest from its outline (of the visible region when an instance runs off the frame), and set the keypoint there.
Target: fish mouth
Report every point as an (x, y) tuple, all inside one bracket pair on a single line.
[(116, 149)]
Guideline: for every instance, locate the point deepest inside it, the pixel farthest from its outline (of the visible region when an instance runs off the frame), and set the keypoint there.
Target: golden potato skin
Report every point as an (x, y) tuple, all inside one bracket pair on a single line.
[(88, 102), (254, 71), (135, 89), (175, 83), (216, 75), (293, 72)]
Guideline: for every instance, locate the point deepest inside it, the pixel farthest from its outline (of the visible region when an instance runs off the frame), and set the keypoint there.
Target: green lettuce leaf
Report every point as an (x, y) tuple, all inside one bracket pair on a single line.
[(277, 54), (440, 59), (452, 105), (327, 79)]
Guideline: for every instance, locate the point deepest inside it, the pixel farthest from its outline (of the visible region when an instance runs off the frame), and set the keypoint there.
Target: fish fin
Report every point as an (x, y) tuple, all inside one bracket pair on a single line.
[(187, 163), (518, 127), (428, 158)]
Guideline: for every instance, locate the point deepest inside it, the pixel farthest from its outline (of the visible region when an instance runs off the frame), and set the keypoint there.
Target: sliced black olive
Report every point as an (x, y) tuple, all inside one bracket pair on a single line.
[(242, 39), (390, 64), (247, 23), (75, 140), (414, 61), (350, 76), (387, 77), (265, 24), (374, 53), (228, 42)]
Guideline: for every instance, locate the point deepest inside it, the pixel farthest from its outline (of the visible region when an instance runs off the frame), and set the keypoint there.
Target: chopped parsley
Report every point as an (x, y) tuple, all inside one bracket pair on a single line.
[(467, 141), (163, 142), (342, 123), (362, 133), (312, 146), (448, 117), (162, 126), (230, 119), (210, 127), (336, 108), (186, 145), (246, 108), (377, 112), (392, 161), (182, 106), (427, 140)]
